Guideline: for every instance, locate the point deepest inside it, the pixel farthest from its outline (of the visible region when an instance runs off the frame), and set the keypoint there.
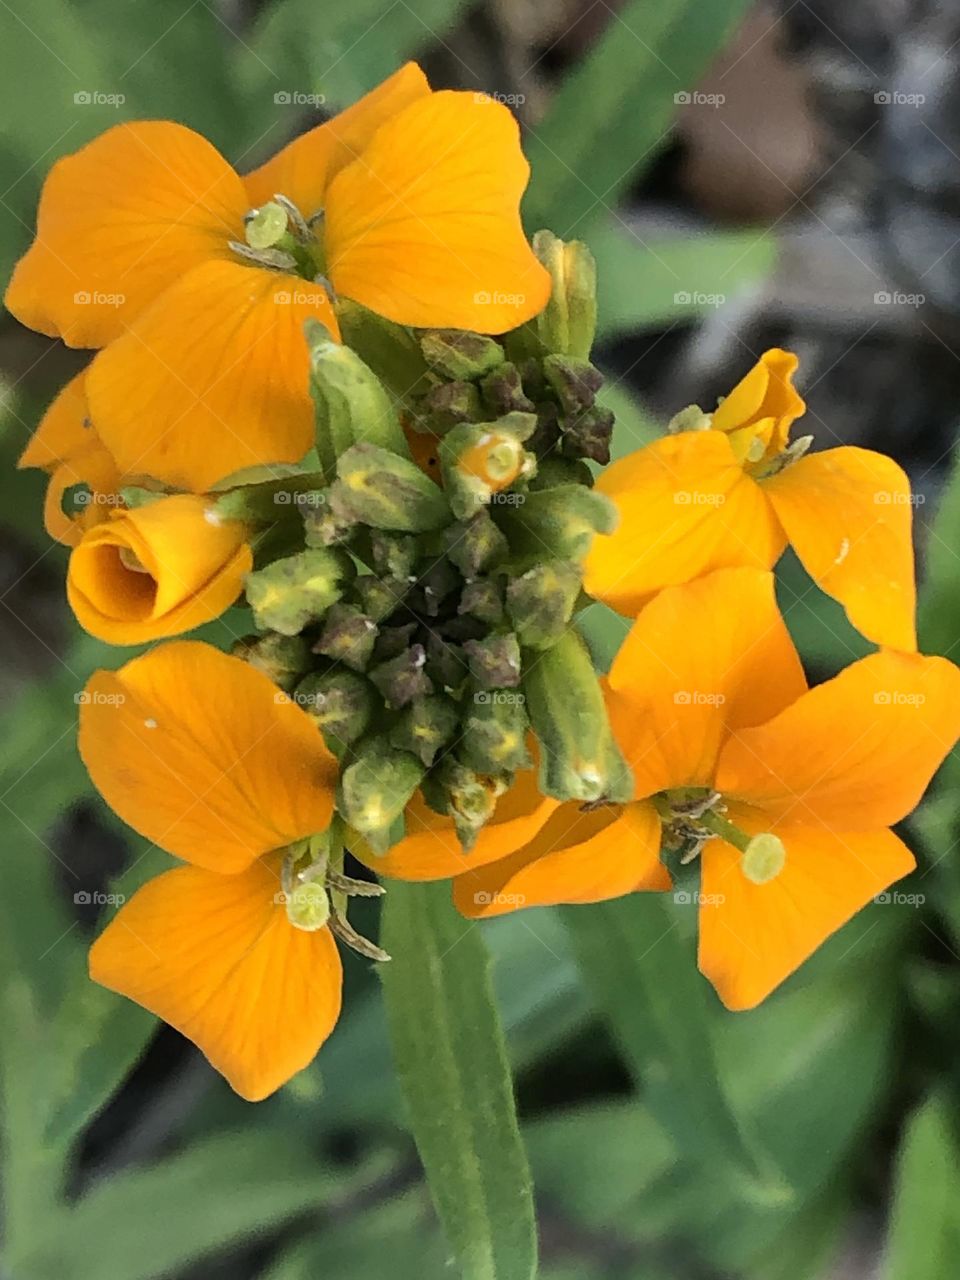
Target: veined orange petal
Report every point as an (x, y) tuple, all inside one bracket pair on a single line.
[(686, 508), (767, 391), (201, 753), (856, 752), (701, 661), (431, 851), (64, 429), (847, 514), (191, 570), (304, 168), (216, 957), (93, 467), (119, 220), (213, 378), (577, 856), (753, 936), (424, 228)]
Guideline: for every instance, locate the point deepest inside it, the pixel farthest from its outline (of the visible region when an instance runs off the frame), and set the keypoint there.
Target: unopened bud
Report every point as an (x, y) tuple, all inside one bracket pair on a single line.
[(541, 602), (340, 702), (283, 658), (298, 589), (503, 391), (348, 636), (558, 522), (380, 596), (495, 732), (375, 788), (350, 403), (482, 599), (579, 757), (378, 488), (574, 382), (448, 404), (588, 434), (459, 356), (426, 726), (402, 679), (390, 350), (464, 795), (495, 660), (568, 322), (475, 546)]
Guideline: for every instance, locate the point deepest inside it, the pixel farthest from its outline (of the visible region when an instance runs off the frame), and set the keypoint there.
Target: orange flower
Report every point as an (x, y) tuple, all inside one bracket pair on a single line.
[(199, 753), (140, 245), (157, 571), (790, 791), (67, 447), (719, 495)]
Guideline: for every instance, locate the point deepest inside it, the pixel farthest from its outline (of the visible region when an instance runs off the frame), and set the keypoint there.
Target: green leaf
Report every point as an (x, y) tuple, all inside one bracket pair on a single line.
[(644, 282), (148, 1223), (614, 112), (451, 1061), (924, 1238), (645, 981)]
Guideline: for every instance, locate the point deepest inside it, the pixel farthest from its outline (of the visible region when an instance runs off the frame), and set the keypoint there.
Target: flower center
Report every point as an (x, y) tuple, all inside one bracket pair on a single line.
[(693, 815), (278, 237)]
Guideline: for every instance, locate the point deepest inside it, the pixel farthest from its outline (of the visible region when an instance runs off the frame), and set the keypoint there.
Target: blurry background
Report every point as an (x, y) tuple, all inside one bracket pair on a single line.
[(747, 175)]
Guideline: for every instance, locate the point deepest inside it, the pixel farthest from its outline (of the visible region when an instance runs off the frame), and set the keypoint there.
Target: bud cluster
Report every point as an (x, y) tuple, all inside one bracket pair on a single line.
[(420, 607)]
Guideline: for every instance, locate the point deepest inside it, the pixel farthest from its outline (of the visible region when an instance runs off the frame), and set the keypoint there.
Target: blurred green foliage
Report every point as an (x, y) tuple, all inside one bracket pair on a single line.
[(666, 1139)]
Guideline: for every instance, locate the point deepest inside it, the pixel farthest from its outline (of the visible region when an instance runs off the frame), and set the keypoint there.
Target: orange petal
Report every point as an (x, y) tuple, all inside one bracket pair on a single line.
[(191, 570), (753, 936), (93, 467), (847, 513), (578, 856), (202, 754), (701, 661), (305, 167), (216, 957), (64, 429), (431, 851), (855, 753), (686, 507), (425, 227), (767, 391), (118, 221), (211, 379)]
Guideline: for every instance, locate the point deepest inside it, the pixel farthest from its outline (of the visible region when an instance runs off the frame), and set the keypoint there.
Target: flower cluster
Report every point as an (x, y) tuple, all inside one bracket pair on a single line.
[(347, 391)]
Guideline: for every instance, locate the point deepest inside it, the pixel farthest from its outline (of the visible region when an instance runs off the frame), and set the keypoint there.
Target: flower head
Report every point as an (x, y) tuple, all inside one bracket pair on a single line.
[(200, 753), (726, 489), (157, 570), (785, 794), (197, 281)]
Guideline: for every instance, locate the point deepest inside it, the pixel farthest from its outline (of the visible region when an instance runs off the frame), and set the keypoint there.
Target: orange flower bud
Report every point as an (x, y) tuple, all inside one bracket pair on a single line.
[(156, 571)]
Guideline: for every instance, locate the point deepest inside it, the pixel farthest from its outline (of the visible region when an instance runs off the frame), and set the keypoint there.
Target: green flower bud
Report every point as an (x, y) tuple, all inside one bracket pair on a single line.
[(350, 403), (283, 658), (579, 757), (541, 602), (568, 323), (390, 350), (555, 471), (375, 788), (483, 600), (289, 593), (495, 660), (402, 679), (267, 500), (464, 795), (394, 555), (380, 596), (348, 636), (460, 357), (426, 726), (446, 665), (446, 405), (558, 522), (588, 434), (475, 546), (494, 733), (503, 391), (341, 703), (377, 488)]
